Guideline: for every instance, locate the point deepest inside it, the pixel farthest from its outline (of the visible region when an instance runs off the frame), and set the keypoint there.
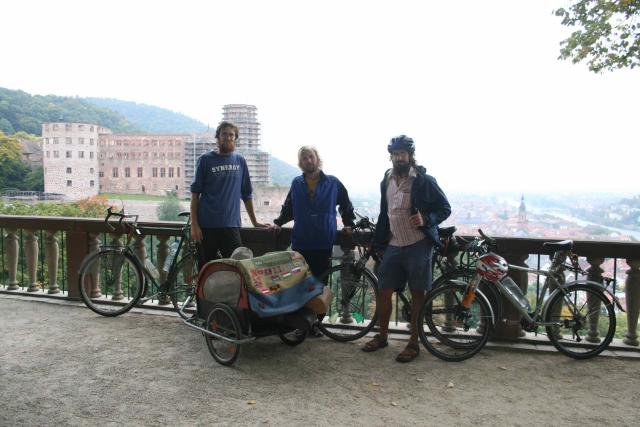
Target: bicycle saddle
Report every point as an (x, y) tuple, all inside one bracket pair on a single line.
[(564, 245), (447, 231)]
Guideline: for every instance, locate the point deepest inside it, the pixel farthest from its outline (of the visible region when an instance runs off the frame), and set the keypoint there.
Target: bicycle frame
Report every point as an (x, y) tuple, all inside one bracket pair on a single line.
[(150, 275)]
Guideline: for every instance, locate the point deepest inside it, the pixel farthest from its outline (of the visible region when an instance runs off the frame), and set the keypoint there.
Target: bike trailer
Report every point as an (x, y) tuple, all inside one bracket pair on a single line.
[(269, 285)]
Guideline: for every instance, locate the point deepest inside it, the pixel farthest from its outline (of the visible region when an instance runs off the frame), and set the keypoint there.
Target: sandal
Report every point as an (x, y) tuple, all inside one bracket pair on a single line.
[(410, 352), (375, 344)]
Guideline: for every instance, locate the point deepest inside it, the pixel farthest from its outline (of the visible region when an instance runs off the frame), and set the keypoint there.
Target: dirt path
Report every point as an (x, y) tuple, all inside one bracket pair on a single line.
[(63, 365)]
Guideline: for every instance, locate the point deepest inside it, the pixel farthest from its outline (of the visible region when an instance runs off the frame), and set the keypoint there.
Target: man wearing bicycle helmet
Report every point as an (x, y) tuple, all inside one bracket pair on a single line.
[(411, 207), (311, 203), (221, 180)]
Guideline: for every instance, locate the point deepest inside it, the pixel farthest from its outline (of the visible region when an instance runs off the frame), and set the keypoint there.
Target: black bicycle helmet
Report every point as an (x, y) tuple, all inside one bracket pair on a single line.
[(401, 142)]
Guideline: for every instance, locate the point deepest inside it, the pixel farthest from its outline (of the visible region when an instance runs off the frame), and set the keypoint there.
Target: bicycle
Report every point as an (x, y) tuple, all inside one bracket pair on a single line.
[(114, 280), (459, 318), (352, 313)]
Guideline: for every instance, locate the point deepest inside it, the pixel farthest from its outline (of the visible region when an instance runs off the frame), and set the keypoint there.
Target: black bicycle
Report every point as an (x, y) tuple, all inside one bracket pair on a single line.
[(114, 280), (352, 313)]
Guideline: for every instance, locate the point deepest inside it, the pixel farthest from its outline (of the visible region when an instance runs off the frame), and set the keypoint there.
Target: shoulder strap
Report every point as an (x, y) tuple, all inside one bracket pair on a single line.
[(387, 176)]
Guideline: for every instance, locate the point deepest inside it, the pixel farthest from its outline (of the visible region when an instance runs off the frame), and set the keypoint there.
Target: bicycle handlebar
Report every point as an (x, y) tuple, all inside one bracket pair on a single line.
[(122, 216)]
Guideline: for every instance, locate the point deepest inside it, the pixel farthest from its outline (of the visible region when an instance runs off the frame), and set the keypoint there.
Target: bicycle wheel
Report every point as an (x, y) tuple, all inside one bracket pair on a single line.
[(450, 331), (352, 313), (586, 322), (223, 321), (110, 282), (182, 283)]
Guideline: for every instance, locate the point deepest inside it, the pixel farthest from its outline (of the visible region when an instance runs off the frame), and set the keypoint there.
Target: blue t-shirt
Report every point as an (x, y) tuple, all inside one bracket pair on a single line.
[(221, 181)]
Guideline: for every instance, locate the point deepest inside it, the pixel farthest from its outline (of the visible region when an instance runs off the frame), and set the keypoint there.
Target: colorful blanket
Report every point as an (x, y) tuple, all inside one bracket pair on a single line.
[(277, 282)]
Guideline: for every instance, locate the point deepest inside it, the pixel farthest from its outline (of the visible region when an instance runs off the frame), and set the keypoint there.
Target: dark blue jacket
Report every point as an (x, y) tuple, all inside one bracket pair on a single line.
[(314, 226), (426, 197)]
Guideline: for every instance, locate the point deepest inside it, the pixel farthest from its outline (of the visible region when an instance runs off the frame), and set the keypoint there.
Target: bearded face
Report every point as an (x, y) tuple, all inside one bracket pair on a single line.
[(227, 140), (401, 162), (309, 162)]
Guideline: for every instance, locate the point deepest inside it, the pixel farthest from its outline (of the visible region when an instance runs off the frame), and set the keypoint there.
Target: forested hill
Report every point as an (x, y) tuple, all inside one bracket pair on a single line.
[(282, 173), (151, 119), (20, 111)]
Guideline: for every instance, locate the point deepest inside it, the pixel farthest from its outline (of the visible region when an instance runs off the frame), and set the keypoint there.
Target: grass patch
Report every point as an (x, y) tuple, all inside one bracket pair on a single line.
[(115, 196)]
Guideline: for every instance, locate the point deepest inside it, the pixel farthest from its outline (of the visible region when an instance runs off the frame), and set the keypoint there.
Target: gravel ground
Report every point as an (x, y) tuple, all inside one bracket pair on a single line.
[(61, 364)]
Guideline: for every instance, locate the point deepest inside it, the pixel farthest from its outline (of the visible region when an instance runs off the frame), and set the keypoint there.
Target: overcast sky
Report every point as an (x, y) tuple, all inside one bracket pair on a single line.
[(477, 84)]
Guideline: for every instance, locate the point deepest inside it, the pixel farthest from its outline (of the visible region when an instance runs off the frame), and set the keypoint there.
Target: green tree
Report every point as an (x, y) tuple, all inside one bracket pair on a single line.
[(607, 34), (13, 170), (6, 126), (35, 180), (169, 209)]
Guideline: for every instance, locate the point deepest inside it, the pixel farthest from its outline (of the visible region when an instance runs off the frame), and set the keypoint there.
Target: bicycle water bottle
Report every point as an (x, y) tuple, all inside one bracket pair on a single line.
[(173, 250), (515, 292), (470, 294)]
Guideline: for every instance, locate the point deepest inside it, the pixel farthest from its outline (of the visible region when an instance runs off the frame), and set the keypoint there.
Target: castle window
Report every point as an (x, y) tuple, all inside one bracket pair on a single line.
[(114, 172), (81, 154), (68, 155), (139, 172), (127, 172), (154, 172), (68, 170), (91, 183), (69, 183), (161, 172)]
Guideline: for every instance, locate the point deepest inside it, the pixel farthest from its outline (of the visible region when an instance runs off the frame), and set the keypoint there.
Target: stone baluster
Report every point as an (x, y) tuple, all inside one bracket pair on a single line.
[(593, 304), (116, 240), (190, 272), (140, 249), (162, 253), (94, 277), (594, 273), (512, 329), (12, 249), (31, 259), (632, 296), (51, 256), (347, 281)]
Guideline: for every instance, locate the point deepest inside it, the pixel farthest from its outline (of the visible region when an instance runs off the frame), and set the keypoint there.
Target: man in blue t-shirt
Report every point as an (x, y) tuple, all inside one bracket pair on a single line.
[(220, 181)]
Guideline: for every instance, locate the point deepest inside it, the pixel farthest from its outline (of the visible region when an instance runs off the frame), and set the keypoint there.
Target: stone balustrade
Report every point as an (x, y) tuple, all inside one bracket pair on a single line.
[(43, 255)]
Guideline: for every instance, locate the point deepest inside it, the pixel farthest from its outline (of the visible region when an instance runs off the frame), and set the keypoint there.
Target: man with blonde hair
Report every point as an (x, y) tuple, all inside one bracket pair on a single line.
[(311, 204)]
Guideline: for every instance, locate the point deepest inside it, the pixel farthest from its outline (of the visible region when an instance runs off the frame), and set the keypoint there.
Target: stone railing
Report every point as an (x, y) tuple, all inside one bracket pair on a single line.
[(42, 255)]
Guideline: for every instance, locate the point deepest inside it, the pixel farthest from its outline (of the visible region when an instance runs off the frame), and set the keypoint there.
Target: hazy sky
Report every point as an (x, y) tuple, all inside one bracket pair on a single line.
[(477, 84)]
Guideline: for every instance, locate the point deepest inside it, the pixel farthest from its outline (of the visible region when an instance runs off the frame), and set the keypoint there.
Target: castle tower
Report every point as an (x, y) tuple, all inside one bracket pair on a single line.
[(248, 144), (70, 158)]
